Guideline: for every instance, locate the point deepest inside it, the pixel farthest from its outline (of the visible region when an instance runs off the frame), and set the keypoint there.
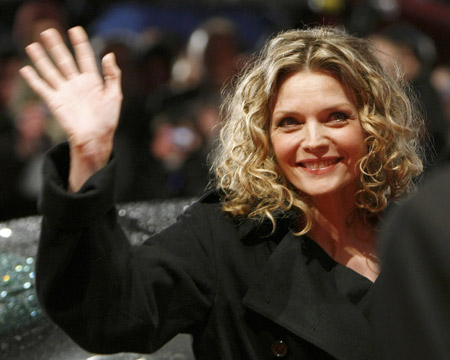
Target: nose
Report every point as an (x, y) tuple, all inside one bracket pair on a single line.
[(314, 137)]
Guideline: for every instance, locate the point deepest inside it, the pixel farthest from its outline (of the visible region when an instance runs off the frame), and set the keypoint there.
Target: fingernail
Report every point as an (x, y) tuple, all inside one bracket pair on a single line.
[(109, 56)]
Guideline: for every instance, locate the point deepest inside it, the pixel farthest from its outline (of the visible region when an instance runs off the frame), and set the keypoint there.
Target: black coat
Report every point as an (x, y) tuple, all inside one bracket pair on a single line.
[(241, 292), (412, 310)]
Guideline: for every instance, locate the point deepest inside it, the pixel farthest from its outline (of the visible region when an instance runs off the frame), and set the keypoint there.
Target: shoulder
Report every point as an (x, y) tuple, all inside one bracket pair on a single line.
[(211, 197), (207, 206), (204, 218), (208, 210), (432, 197), (423, 216)]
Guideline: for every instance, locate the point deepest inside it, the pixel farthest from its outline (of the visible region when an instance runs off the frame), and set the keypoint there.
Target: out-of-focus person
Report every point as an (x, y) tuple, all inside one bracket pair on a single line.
[(440, 78), (412, 312), (21, 154), (33, 17), (402, 47)]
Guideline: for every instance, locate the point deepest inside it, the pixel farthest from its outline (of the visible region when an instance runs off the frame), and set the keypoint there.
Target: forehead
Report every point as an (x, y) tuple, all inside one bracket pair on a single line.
[(306, 86)]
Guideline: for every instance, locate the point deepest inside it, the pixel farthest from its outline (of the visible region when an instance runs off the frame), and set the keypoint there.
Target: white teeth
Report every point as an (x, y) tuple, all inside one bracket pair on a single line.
[(317, 165)]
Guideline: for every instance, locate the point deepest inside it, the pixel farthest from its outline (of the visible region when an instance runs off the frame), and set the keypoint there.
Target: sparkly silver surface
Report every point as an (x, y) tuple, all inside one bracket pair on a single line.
[(25, 332)]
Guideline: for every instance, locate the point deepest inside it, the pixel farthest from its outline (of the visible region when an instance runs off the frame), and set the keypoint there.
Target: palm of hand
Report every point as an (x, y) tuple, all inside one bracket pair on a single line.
[(86, 105), (84, 108)]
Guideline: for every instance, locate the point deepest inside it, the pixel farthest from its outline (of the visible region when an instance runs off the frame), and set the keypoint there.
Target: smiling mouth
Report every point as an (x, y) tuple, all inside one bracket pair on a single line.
[(319, 165)]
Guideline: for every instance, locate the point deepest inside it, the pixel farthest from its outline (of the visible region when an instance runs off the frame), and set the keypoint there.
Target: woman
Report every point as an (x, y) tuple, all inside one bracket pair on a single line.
[(279, 260)]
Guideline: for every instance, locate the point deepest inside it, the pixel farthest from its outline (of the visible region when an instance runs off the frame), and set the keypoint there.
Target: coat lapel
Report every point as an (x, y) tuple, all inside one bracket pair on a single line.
[(293, 295)]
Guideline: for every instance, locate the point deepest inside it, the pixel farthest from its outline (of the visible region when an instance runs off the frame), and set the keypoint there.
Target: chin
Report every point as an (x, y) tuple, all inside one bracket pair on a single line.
[(342, 190)]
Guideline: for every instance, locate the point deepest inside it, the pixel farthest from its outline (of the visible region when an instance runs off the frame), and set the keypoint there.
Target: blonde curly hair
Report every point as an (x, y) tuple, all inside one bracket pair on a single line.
[(245, 168)]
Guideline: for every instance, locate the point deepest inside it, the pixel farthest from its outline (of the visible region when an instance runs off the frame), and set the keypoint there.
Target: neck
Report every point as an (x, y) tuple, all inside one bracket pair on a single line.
[(334, 218), (344, 234)]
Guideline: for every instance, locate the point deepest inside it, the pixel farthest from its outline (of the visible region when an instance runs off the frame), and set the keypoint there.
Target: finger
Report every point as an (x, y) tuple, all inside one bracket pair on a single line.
[(44, 65), (83, 50), (38, 85), (58, 50), (111, 73)]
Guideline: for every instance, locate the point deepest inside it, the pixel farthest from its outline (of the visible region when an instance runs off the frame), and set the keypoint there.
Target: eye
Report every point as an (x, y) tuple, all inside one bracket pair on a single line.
[(339, 117), (288, 122)]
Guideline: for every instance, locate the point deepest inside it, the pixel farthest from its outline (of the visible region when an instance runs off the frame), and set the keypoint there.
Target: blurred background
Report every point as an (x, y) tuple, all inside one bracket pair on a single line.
[(176, 56)]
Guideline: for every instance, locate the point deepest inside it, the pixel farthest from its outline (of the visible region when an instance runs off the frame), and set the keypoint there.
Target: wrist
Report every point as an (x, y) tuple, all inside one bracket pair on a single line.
[(86, 159)]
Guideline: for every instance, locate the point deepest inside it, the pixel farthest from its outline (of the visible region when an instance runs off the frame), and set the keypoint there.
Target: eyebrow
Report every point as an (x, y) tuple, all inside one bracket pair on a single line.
[(328, 108)]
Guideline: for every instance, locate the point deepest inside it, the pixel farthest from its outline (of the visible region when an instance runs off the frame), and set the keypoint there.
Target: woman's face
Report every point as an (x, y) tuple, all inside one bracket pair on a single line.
[(316, 135)]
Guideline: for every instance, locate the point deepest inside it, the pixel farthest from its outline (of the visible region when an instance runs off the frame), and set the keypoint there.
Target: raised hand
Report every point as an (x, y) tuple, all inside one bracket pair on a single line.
[(85, 103)]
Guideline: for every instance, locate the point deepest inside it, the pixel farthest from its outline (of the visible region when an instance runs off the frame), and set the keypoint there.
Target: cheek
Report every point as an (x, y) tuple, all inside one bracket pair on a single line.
[(280, 156), (283, 149), (357, 148)]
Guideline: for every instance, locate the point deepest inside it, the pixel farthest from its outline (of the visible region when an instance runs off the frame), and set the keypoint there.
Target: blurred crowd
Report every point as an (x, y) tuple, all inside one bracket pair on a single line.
[(176, 60)]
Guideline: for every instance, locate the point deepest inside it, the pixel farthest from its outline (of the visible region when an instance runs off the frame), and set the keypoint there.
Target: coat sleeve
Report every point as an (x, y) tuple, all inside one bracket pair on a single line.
[(110, 296)]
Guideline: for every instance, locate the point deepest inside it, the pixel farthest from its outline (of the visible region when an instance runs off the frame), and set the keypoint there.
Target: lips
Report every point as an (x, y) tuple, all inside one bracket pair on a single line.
[(319, 164)]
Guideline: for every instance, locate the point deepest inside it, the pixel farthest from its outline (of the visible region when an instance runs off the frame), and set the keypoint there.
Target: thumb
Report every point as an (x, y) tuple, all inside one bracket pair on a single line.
[(111, 73)]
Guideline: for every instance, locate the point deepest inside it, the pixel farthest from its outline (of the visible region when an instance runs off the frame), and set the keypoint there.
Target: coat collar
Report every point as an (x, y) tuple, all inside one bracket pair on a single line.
[(290, 294)]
